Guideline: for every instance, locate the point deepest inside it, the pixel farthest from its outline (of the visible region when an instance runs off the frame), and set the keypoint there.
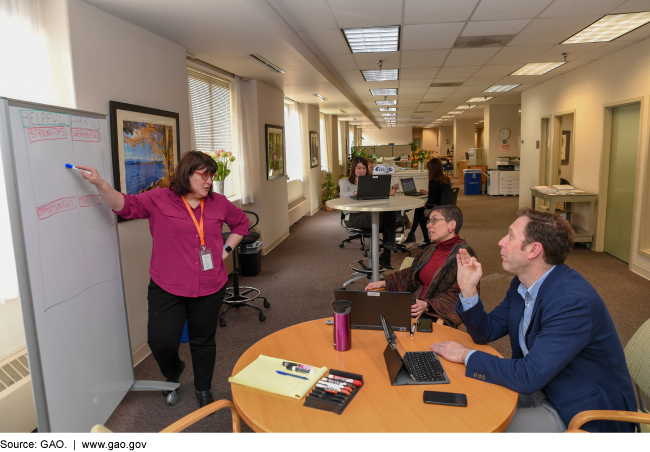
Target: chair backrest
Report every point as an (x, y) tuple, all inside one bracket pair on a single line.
[(449, 197), (253, 219), (637, 356)]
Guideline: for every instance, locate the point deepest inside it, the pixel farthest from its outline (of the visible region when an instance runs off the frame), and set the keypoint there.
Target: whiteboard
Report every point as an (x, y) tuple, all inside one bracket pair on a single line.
[(68, 262)]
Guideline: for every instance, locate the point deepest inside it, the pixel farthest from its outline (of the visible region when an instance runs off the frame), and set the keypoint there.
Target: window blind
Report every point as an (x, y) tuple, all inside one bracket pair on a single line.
[(210, 97)]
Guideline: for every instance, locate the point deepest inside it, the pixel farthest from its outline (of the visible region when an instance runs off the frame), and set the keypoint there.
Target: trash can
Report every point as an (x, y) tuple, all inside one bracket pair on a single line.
[(250, 258), (472, 181)]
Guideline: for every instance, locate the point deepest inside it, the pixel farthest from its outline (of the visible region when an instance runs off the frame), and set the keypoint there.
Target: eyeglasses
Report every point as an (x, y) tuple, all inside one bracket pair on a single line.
[(433, 221), (204, 175)]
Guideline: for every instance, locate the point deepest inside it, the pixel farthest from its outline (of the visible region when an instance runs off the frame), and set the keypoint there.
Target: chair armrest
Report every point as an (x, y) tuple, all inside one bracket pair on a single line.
[(609, 415), (199, 414)]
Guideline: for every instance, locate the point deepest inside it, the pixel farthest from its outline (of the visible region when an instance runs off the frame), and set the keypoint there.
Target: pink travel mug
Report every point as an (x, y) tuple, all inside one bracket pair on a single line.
[(342, 327)]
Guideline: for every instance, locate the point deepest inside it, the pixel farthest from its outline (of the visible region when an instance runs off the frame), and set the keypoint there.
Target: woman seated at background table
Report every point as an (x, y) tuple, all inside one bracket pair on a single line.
[(432, 277), (363, 220), (438, 182)]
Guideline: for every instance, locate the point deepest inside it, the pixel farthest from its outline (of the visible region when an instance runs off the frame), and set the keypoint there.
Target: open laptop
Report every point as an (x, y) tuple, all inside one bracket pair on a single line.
[(367, 307), (373, 187), (410, 368), (408, 187)]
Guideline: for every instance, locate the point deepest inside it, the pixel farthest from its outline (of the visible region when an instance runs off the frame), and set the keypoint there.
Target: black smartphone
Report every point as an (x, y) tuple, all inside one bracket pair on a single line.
[(445, 398), (424, 325)]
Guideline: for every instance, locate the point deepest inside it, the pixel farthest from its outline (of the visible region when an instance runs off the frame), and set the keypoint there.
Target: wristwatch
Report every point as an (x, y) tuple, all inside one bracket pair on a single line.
[(228, 248)]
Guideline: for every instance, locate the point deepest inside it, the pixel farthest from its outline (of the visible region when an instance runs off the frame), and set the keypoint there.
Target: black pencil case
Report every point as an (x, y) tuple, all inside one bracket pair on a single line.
[(326, 402)]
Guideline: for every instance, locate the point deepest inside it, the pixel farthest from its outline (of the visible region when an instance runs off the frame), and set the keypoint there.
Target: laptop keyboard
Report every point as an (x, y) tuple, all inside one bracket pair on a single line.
[(425, 366)]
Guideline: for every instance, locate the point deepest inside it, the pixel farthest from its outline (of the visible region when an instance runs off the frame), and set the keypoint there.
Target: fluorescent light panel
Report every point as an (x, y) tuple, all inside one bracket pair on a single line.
[(384, 92), (386, 102), (388, 109), (373, 39), (479, 99), (381, 76), (446, 117), (537, 68), (499, 88), (610, 27), (455, 112), (320, 97), (465, 107), (389, 114)]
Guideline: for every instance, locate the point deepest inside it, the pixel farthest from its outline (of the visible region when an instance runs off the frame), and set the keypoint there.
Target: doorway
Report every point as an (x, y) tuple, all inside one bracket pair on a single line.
[(624, 147)]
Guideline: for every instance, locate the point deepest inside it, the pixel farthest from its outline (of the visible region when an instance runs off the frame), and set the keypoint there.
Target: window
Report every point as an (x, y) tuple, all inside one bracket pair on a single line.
[(293, 141), (210, 99)]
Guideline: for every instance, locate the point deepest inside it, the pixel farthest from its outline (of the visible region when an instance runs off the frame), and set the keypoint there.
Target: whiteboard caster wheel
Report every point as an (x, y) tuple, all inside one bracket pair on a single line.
[(172, 398), (262, 317)]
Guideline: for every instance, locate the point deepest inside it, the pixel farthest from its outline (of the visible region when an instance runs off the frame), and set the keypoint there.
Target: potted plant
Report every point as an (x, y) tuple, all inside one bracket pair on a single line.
[(224, 159), (358, 151), (330, 190)]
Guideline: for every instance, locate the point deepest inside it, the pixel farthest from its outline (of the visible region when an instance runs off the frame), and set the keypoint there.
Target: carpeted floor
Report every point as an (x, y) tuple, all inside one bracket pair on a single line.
[(299, 276)]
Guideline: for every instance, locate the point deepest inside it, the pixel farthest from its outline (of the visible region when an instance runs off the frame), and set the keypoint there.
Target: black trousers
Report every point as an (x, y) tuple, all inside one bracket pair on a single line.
[(387, 227), (420, 219), (167, 315)]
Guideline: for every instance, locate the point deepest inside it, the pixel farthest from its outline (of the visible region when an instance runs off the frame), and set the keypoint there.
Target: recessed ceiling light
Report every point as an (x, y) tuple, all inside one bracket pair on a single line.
[(465, 107), (389, 114), (384, 92), (499, 88), (386, 102), (320, 97), (388, 109), (446, 117), (479, 99), (373, 39), (610, 27), (455, 112), (381, 75), (536, 68)]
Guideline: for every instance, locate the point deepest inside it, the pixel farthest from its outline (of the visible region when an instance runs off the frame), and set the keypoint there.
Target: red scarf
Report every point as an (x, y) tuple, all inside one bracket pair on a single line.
[(437, 259)]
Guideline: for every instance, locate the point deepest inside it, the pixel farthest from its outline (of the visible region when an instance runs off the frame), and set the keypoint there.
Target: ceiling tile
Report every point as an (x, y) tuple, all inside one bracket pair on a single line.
[(430, 36), (564, 8), (518, 55), (574, 52), (350, 76), (495, 27), (522, 79), (609, 48), (415, 83), (470, 57), (446, 90), (424, 12), (356, 86), (407, 102), (451, 80), (325, 42), (390, 60), (408, 97), (632, 6), (366, 13), (497, 69), (551, 31), (508, 9), (340, 62), (469, 89), (459, 71), (304, 14), (433, 96), (421, 73), (423, 58), (482, 81), (384, 84), (417, 90), (638, 34)]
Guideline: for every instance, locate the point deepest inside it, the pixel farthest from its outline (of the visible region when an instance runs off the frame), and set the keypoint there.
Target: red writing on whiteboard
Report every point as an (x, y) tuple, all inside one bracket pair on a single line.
[(47, 133), (60, 205), (85, 135), (89, 201)]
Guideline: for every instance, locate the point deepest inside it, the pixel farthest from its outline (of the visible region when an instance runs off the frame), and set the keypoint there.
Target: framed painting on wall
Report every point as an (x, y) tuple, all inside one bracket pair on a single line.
[(274, 151), (145, 147), (314, 153), (565, 147)]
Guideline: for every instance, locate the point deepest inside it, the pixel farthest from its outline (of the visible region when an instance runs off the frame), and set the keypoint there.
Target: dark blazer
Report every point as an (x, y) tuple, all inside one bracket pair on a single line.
[(575, 354), (435, 192), (443, 290)]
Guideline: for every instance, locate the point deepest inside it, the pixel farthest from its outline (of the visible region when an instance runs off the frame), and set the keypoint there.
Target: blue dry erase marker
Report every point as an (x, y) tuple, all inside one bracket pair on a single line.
[(291, 375), (67, 165)]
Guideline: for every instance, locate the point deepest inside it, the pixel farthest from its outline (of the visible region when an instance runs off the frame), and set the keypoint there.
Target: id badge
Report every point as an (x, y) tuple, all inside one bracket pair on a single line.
[(206, 259)]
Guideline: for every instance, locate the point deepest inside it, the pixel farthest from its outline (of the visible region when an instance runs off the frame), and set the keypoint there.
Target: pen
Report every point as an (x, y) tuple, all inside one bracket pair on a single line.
[(291, 375), (67, 165), (413, 329)]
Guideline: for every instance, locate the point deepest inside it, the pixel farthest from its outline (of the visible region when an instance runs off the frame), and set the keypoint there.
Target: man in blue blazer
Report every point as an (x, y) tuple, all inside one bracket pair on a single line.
[(566, 354)]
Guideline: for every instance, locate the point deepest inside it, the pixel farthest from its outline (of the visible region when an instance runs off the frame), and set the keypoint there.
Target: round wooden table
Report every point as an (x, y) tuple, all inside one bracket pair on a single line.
[(378, 406), (374, 206)]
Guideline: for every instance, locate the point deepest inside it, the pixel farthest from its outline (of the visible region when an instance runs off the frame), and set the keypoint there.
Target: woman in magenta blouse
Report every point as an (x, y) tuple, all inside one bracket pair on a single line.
[(188, 275)]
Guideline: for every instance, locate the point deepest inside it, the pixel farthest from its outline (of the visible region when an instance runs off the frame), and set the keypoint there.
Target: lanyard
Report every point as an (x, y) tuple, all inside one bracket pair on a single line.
[(199, 226)]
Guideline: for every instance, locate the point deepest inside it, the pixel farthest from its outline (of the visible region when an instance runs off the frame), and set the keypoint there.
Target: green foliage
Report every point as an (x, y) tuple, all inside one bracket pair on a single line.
[(330, 190)]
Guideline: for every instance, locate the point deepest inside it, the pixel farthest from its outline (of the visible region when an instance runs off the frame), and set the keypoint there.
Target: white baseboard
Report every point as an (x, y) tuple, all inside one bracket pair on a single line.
[(640, 271), (269, 248), (141, 354)]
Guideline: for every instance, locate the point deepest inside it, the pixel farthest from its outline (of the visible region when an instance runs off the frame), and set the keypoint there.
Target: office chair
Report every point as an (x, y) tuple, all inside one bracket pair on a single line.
[(449, 197), (361, 269), (637, 356), (234, 298), (401, 227), (447, 167), (354, 235), (192, 418)]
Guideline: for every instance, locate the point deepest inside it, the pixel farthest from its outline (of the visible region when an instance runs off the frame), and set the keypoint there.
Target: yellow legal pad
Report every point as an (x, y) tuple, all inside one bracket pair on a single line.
[(261, 374)]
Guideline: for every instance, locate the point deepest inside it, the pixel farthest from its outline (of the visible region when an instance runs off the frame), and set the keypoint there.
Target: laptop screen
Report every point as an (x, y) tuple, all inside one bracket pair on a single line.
[(408, 184)]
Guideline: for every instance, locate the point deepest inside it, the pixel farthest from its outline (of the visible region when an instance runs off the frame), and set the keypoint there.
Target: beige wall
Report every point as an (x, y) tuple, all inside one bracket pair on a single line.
[(395, 135), (614, 79), (498, 117), (430, 139), (12, 333), (446, 134), (464, 138), (106, 67)]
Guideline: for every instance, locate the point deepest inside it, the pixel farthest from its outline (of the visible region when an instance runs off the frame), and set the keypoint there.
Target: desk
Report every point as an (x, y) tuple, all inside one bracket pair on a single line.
[(378, 407), (375, 206), (580, 235)]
